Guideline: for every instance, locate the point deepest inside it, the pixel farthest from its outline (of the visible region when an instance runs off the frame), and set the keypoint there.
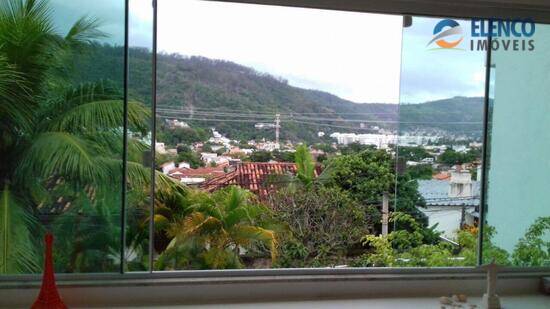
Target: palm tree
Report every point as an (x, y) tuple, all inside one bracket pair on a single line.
[(305, 166), (61, 146), (222, 227)]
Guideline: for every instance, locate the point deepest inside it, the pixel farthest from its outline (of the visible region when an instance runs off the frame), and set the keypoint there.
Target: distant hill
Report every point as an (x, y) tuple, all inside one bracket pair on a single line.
[(459, 115), (238, 97)]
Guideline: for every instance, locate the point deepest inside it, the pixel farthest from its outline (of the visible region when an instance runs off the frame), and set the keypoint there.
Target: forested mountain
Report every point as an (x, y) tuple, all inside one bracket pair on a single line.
[(216, 89)]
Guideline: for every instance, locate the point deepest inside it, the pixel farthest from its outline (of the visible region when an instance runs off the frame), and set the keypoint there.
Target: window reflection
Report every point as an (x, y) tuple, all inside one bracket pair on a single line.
[(61, 140)]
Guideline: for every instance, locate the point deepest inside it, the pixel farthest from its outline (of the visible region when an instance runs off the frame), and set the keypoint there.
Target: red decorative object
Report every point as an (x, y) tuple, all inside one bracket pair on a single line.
[(49, 297)]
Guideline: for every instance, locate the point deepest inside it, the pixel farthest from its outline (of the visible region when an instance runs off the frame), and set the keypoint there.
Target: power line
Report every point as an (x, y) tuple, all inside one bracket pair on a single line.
[(282, 113), (291, 117)]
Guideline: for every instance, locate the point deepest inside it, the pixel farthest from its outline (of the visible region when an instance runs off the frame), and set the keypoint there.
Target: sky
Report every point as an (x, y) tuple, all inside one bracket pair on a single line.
[(353, 55), (365, 58), (429, 74)]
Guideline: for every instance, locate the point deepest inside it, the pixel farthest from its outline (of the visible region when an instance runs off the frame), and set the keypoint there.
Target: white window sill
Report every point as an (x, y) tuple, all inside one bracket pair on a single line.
[(241, 286)]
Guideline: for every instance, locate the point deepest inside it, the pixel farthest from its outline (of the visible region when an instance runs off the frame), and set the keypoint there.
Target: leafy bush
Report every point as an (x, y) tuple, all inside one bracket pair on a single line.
[(325, 224)]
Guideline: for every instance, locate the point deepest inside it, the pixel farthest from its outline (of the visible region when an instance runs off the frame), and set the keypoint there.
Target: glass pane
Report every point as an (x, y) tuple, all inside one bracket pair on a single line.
[(62, 138), (283, 136), (140, 94), (439, 143), (518, 213)]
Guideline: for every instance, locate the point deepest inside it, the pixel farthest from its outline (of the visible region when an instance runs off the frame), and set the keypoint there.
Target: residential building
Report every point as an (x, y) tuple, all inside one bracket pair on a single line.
[(262, 178), (380, 141), (451, 202), (208, 157), (167, 167), (175, 123), (197, 175), (160, 148), (184, 165)]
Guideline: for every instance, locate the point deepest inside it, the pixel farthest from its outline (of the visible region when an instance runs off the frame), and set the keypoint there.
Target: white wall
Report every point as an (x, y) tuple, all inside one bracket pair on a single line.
[(446, 217), (519, 174)]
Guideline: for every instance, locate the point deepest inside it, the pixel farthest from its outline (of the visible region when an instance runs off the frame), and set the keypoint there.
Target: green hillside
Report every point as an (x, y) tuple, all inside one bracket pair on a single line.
[(234, 97)]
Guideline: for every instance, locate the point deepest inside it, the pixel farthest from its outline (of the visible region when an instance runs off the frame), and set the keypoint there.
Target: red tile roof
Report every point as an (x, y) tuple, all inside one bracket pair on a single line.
[(254, 176), (442, 176), (205, 172)]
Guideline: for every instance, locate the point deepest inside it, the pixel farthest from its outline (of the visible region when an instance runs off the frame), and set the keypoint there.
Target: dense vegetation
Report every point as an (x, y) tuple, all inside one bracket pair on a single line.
[(62, 172), (459, 114), (451, 157), (202, 84)]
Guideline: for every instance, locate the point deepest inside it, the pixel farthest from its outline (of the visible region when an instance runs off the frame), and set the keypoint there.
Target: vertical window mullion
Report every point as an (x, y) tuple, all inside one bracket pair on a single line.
[(485, 154)]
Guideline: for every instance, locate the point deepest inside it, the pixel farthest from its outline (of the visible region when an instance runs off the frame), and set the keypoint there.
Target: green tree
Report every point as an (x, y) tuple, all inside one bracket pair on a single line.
[(305, 166), (324, 225), (355, 148), (421, 171), (185, 154), (176, 136), (407, 247), (215, 234), (451, 157), (283, 156), (64, 142), (534, 248), (412, 153), (408, 200), (261, 156), (365, 175)]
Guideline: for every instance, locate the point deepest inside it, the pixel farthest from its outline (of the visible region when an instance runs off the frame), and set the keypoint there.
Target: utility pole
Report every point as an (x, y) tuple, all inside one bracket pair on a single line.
[(277, 126), (463, 217), (385, 213)]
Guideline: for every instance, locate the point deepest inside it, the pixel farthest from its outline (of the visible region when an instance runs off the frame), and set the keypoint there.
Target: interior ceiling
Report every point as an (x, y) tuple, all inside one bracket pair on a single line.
[(538, 10)]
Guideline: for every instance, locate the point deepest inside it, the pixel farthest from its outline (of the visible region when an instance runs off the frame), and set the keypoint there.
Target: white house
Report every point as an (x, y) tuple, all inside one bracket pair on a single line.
[(450, 203), (428, 160), (208, 157), (167, 167), (160, 148), (175, 123), (184, 165), (460, 184), (381, 141)]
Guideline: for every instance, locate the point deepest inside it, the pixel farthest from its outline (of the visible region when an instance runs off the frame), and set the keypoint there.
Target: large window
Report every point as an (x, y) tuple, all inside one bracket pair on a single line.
[(265, 137)]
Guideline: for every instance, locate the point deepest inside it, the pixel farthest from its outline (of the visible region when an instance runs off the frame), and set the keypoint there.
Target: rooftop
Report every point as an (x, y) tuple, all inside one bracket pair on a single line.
[(206, 172), (436, 193), (255, 176)]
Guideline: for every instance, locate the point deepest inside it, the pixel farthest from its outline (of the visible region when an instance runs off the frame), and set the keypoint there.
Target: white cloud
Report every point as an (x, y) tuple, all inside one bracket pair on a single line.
[(353, 55), (438, 74), (356, 56)]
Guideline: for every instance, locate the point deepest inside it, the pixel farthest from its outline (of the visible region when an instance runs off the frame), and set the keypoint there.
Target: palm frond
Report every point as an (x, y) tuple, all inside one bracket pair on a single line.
[(305, 165), (17, 254), (28, 38), (237, 216), (102, 115), (197, 224), (111, 142), (219, 258), (84, 31), (244, 234), (89, 231), (102, 90), (236, 198), (16, 106), (62, 154)]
